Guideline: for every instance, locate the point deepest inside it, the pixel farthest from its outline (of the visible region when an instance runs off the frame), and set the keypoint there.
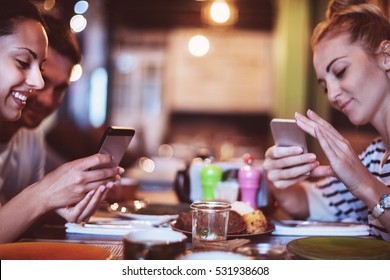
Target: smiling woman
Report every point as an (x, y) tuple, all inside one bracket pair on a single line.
[(351, 57), (23, 45), (75, 189)]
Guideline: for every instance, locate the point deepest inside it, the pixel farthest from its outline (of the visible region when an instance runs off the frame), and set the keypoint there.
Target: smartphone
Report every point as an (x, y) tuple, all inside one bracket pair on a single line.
[(287, 133), (115, 141)]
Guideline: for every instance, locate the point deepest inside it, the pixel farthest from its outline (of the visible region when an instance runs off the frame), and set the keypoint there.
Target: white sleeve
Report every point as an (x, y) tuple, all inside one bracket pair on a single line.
[(318, 205)]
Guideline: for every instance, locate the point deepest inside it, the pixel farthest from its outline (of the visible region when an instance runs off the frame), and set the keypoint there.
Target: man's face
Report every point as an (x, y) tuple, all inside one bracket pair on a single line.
[(42, 103)]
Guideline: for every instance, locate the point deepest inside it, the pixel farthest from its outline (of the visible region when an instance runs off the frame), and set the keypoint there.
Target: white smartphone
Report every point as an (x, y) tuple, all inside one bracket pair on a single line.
[(287, 133), (115, 141)]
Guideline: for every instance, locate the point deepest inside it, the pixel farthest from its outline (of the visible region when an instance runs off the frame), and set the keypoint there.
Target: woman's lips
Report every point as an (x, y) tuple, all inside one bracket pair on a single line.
[(344, 106), (20, 98)]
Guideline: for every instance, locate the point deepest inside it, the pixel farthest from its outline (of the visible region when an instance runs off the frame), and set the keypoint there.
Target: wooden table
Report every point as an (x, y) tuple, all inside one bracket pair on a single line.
[(50, 232)]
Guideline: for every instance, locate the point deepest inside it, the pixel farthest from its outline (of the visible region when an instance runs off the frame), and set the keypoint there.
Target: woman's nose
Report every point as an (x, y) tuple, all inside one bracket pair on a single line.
[(334, 92), (35, 79)]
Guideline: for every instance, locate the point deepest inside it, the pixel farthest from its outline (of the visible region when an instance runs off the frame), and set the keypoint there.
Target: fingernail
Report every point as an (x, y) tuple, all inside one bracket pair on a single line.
[(312, 157), (102, 189), (121, 170)]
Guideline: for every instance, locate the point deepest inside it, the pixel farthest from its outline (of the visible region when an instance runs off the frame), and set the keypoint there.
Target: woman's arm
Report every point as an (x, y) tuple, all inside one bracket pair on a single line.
[(72, 184), (345, 163), (20, 213)]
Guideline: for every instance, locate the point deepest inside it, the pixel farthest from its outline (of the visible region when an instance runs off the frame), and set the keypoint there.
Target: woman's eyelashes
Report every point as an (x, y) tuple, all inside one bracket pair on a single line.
[(22, 64), (341, 73)]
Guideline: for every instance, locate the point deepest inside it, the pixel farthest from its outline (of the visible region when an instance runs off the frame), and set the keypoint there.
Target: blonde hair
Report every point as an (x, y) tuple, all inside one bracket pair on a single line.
[(365, 23)]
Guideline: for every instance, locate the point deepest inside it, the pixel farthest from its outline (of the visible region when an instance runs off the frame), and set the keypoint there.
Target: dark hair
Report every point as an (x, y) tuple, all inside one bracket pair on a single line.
[(365, 23), (62, 39), (15, 10)]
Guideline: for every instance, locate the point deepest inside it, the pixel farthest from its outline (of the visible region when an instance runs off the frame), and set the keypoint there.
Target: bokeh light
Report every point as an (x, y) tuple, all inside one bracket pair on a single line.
[(198, 45)]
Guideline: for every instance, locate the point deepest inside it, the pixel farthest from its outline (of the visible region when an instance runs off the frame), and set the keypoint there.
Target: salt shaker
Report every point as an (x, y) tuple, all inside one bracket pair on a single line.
[(248, 180), (210, 175)]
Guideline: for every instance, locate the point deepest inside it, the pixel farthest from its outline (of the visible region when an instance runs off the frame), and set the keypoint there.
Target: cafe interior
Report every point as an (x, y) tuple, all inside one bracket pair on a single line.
[(199, 81), (188, 81)]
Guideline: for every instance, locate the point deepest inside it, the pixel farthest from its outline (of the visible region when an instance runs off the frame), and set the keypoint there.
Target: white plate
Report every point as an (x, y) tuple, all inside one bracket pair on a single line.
[(317, 228), (213, 255), (154, 213), (154, 219), (113, 227), (269, 229)]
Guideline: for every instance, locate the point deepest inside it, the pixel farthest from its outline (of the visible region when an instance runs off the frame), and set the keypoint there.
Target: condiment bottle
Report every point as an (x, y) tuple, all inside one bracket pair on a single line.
[(248, 180), (210, 175)]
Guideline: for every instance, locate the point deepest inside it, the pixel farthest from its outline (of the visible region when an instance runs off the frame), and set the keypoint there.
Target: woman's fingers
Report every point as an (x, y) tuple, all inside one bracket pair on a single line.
[(309, 123), (94, 161), (322, 171), (276, 152), (325, 125), (287, 165), (71, 213), (305, 124), (92, 205), (282, 184), (291, 161)]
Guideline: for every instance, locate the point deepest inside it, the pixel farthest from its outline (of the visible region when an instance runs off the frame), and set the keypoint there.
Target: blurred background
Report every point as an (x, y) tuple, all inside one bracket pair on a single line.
[(193, 77)]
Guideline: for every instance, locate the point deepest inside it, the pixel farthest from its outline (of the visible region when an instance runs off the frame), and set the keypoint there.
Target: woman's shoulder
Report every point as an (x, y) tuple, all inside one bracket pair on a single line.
[(374, 151), (376, 145), (28, 137)]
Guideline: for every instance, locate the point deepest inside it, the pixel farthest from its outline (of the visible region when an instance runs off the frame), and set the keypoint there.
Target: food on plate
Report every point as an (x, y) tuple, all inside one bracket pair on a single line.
[(184, 221), (255, 222), (236, 224), (250, 223), (242, 207)]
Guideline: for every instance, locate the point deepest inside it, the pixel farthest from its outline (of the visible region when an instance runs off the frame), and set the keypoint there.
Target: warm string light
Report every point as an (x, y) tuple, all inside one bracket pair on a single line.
[(219, 12), (198, 45)]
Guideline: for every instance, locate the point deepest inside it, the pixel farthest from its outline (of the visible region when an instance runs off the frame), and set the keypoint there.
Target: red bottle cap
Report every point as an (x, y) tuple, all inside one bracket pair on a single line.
[(248, 159)]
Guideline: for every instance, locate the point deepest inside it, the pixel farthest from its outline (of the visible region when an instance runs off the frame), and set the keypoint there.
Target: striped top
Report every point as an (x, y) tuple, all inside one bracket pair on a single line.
[(343, 205)]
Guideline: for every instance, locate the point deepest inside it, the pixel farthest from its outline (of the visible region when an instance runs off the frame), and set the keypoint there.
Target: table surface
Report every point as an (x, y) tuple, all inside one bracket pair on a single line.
[(266, 246)]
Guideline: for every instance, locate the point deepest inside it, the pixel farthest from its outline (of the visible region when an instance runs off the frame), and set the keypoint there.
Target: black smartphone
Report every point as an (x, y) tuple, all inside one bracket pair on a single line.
[(287, 133), (115, 141)]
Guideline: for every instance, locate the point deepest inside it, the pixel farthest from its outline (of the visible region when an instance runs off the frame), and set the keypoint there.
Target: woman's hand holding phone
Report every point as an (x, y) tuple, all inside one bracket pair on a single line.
[(288, 162), (115, 142)]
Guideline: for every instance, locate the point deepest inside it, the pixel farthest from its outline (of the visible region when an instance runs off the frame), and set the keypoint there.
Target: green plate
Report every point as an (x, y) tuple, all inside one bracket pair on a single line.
[(340, 248)]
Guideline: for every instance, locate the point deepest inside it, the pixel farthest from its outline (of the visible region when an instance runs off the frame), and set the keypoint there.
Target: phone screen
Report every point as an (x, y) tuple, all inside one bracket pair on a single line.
[(287, 133), (115, 142)]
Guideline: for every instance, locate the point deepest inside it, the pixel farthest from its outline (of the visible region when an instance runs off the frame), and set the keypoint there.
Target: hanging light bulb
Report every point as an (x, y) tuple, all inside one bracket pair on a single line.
[(219, 12)]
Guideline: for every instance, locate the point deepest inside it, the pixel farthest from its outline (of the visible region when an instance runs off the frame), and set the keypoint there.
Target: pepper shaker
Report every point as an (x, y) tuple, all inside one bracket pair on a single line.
[(248, 180)]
